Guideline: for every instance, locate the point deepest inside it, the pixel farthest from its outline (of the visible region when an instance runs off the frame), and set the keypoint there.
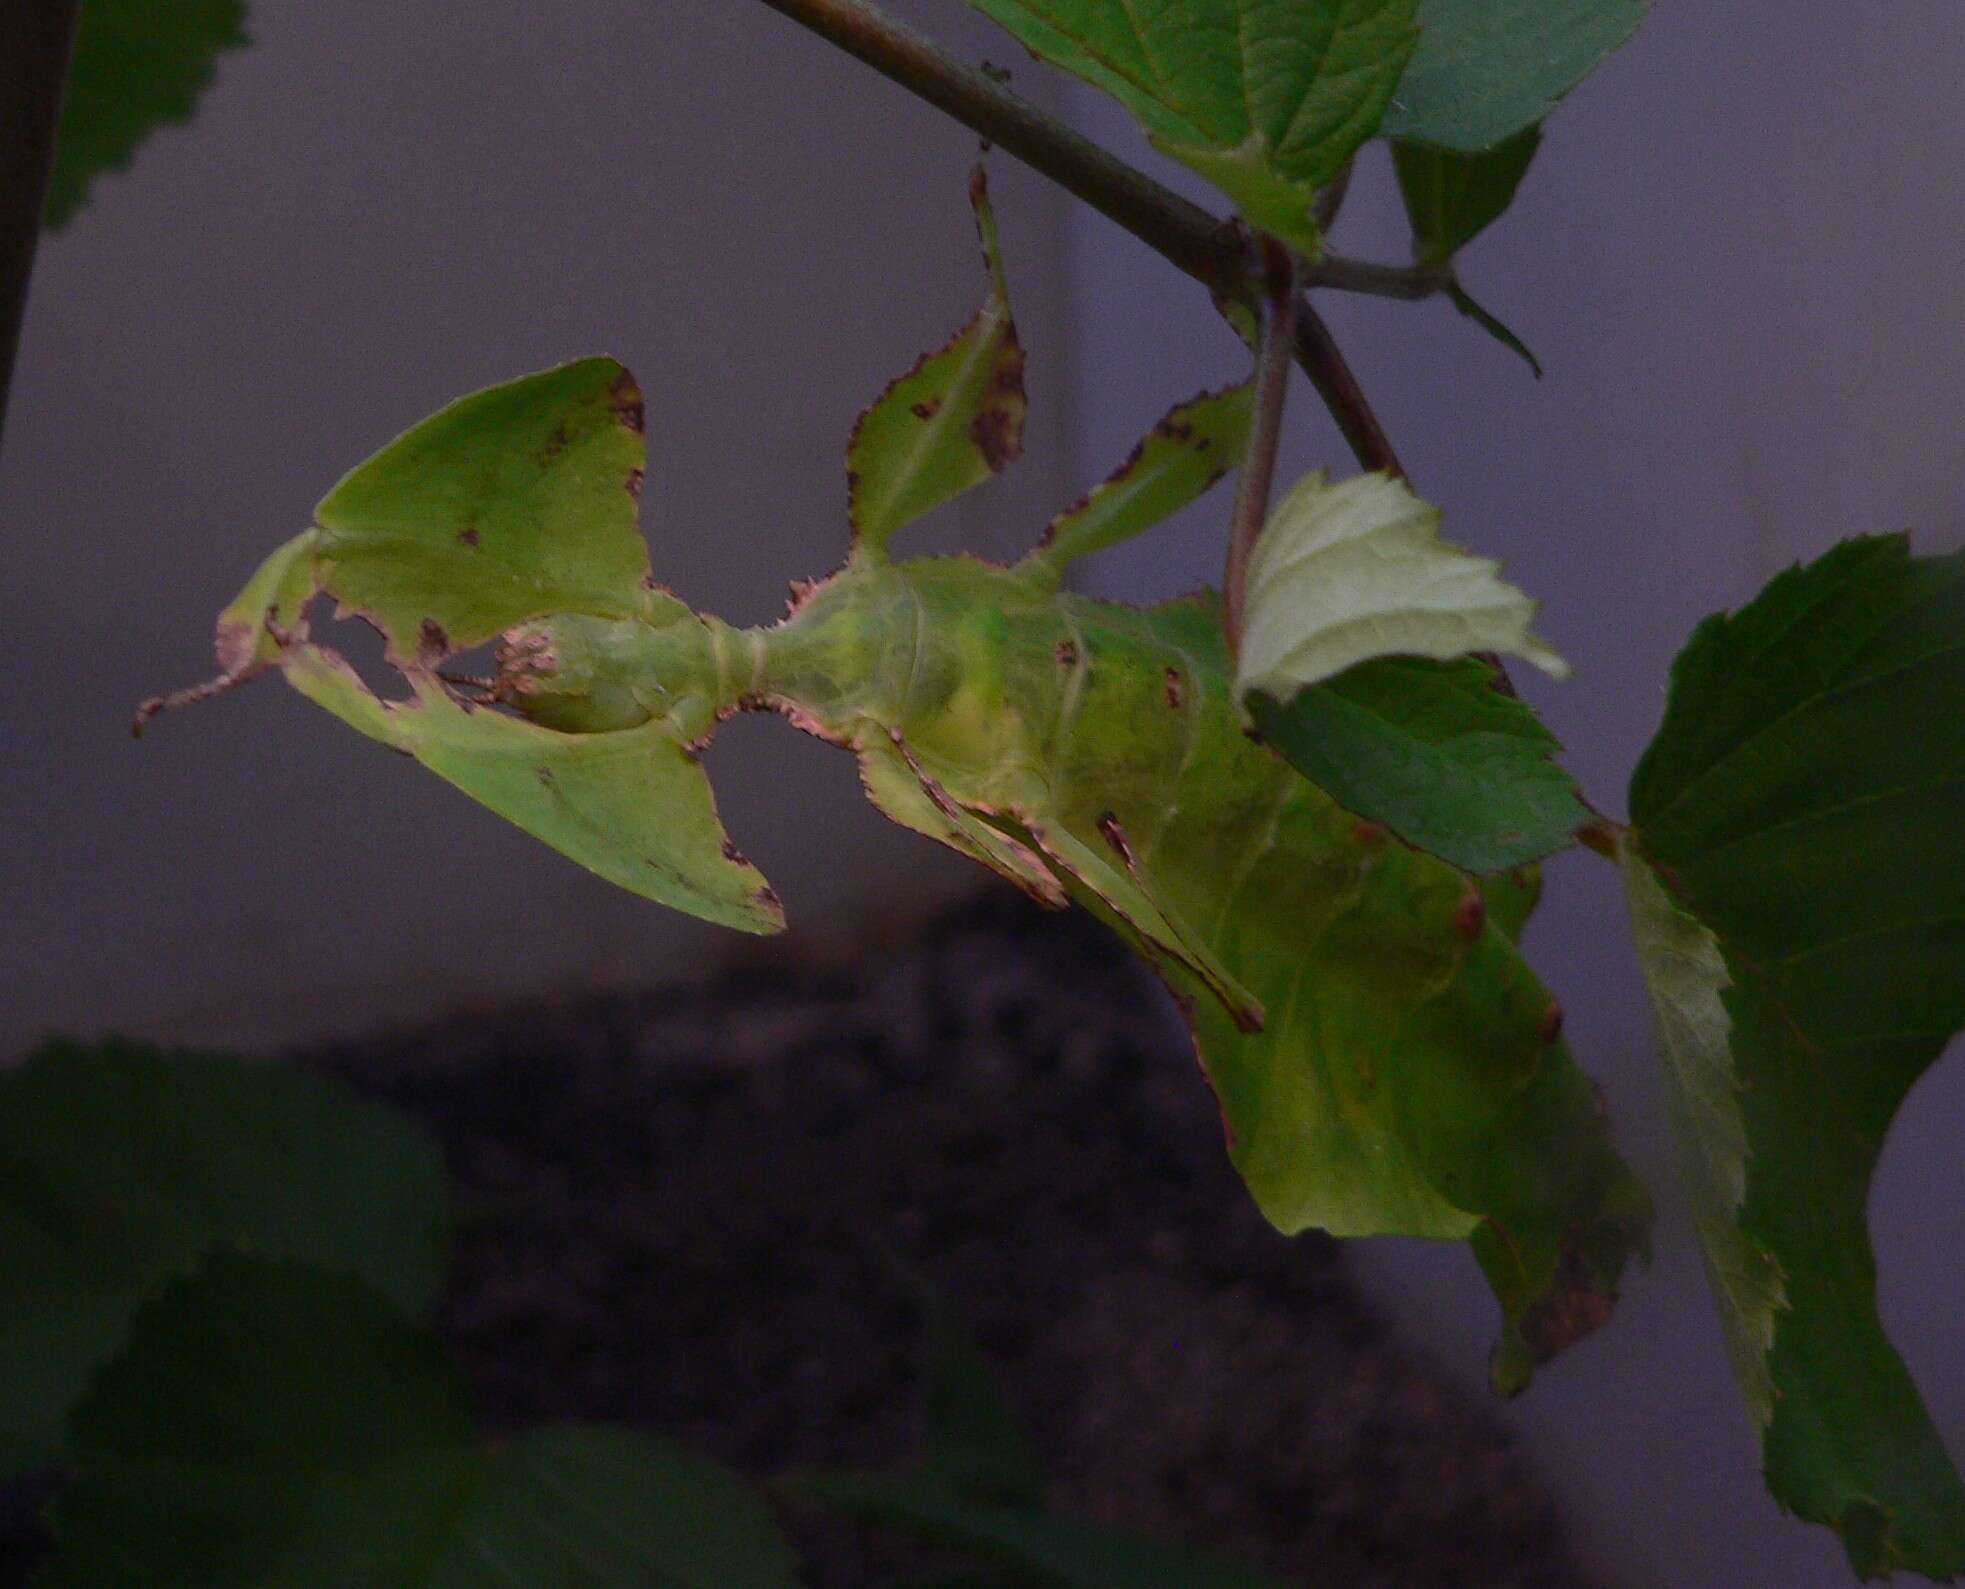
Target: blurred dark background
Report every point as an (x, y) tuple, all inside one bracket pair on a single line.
[(1737, 257)]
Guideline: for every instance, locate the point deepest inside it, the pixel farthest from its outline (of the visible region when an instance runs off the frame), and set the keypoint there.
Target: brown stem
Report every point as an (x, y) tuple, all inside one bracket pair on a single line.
[(1322, 360), (36, 40), (1272, 374), (1209, 250)]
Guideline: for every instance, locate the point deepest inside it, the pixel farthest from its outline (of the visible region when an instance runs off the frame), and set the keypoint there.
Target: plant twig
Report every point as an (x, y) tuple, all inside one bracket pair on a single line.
[(1272, 372), (1407, 282), (1210, 250), (1322, 360), (37, 38)]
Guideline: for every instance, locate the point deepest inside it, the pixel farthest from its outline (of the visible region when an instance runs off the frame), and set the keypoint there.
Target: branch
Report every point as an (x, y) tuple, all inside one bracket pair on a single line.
[(1318, 353), (36, 40), (1272, 372), (1213, 252)]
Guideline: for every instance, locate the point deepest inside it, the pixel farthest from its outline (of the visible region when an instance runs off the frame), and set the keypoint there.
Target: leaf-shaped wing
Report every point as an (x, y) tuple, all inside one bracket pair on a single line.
[(950, 423), (516, 502), (633, 806), (1804, 804)]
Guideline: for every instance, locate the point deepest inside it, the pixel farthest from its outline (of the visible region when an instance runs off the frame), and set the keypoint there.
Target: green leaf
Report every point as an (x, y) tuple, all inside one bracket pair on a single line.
[(1349, 572), (950, 423), (1452, 197), (1804, 802), (1486, 70), (1265, 98), (1686, 975), (275, 1426), (1436, 753), (121, 1164), (1191, 448), (633, 805), (516, 502), (138, 66)]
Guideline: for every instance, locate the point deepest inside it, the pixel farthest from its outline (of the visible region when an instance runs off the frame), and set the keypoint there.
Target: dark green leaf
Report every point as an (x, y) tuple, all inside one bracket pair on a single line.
[(1265, 100), (120, 1165), (1488, 69), (975, 1445), (1804, 801), (275, 1426), (1493, 327), (1451, 198), (1052, 1551), (1436, 753), (138, 66)]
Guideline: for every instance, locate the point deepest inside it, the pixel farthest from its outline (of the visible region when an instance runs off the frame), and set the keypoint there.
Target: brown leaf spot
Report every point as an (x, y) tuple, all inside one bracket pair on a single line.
[(545, 776), (1471, 915), (432, 643), (468, 536), (926, 409), (767, 896), (1175, 430), (1549, 1028), (555, 443), (624, 397), (1369, 834), (732, 854), (1574, 1306), (997, 433), (1067, 653), (1176, 690)]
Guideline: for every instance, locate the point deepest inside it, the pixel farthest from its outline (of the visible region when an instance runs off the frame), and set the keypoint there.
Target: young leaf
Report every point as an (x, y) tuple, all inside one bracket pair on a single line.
[(950, 423), (138, 66), (1452, 197), (1436, 753), (633, 806), (1486, 70), (1265, 98), (1802, 803), (120, 1165), (1359, 570), (1179, 458), (270, 1424)]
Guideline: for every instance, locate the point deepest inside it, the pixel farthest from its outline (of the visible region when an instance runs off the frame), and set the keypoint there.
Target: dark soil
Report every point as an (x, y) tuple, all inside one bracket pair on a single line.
[(674, 1210), (673, 1207)]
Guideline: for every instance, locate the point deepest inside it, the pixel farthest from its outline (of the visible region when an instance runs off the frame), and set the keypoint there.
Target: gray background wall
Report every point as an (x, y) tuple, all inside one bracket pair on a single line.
[(1737, 257)]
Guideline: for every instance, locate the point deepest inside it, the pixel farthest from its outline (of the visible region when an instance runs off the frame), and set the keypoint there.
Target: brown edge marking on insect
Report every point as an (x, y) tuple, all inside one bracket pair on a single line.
[(1248, 1018), (624, 397), (1574, 1304), (1549, 1027), (1470, 915), (1066, 652), (1176, 689), (927, 408), (633, 483), (1184, 1002), (556, 440), (468, 536), (1027, 870)]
